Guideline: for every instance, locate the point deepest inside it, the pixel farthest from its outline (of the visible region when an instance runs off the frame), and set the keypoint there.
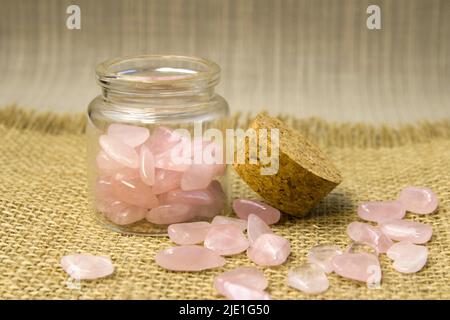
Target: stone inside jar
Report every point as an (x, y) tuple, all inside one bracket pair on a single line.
[(157, 176)]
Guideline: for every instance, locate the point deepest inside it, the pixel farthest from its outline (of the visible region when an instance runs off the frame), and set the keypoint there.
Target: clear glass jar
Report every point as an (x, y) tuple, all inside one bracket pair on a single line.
[(149, 161)]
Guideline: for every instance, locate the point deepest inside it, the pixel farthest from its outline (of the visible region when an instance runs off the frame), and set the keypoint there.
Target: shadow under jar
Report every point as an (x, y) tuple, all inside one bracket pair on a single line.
[(150, 162)]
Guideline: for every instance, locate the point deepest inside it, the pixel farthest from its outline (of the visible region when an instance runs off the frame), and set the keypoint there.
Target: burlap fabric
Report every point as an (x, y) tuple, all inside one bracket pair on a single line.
[(44, 214)]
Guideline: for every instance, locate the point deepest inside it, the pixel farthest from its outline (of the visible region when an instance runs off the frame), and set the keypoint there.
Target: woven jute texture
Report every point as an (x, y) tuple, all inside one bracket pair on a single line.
[(44, 214)]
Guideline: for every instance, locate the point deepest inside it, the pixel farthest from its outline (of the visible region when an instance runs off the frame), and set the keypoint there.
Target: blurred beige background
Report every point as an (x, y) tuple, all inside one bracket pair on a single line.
[(304, 57)]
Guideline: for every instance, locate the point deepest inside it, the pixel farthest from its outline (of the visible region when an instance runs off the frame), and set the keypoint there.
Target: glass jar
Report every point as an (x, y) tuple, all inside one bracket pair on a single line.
[(154, 156)]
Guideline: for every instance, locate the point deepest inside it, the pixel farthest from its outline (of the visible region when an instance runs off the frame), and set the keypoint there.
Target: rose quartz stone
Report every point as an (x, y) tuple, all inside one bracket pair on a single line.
[(226, 239), (236, 291), (188, 233), (408, 257), (407, 230), (256, 227), (162, 139), (87, 267), (370, 235), (126, 214), (363, 267), (119, 151), (250, 277), (194, 197), (189, 258), (322, 255), (133, 136), (269, 250), (166, 180), (197, 176), (242, 224), (107, 165), (308, 278), (147, 166), (378, 211), (129, 188), (170, 213), (418, 200), (244, 207), (172, 159)]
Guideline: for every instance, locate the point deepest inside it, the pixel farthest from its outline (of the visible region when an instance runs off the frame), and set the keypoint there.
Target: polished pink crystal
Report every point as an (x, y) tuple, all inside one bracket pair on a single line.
[(147, 166), (322, 255), (133, 136), (172, 159), (129, 188), (170, 213), (106, 165), (197, 176), (166, 180), (124, 215), (194, 197), (236, 291), (378, 211), (242, 224), (308, 278), (244, 207), (250, 277), (370, 235), (363, 267), (269, 250), (226, 239), (418, 200), (86, 266), (256, 227), (407, 230), (408, 257), (163, 139), (189, 258), (188, 233), (119, 151)]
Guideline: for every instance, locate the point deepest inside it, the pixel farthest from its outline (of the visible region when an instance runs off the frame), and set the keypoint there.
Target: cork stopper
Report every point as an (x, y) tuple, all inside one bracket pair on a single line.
[(305, 174)]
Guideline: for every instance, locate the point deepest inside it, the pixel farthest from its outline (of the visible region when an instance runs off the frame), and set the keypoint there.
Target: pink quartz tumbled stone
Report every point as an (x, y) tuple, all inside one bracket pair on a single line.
[(250, 277), (407, 230), (408, 257), (86, 266), (418, 200), (370, 235), (236, 291), (126, 215), (188, 233), (162, 139), (244, 207), (166, 180), (147, 166), (189, 258), (226, 239), (107, 165), (378, 211), (133, 136), (363, 267), (129, 188), (172, 159), (308, 278), (119, 151), (194, 197), (256, 227), (170, 213), (242, 224), (197, 176), (269, 250), (322, 255)]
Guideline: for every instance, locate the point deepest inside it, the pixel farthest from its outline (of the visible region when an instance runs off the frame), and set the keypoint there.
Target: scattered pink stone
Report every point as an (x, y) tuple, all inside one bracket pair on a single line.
[(250, 277), (359, 247), (107, 165), (147, 168), (133, 136), (166, 180), (408, 257), (194, 197), (242, 224), (363, 267), (256, 227), (236, 291), (129, 188), (197, 176), (308, 278), (418, 200), (322, 255), (226, 239), (119, 151), (269, 250), (381, 210), (244, 207), (370, 235), (86, 266), (189, 258), (170, 213), (188, 233), (163, 139), (406, 230), (126, 215)]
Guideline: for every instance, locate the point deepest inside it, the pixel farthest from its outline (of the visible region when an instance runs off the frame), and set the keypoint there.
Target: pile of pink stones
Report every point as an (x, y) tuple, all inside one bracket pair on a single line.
[(224, 236), (138, 177), (360, 260)]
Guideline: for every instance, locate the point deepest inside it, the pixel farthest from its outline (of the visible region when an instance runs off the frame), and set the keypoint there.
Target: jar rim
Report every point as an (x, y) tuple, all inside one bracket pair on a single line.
[(169, 72)]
